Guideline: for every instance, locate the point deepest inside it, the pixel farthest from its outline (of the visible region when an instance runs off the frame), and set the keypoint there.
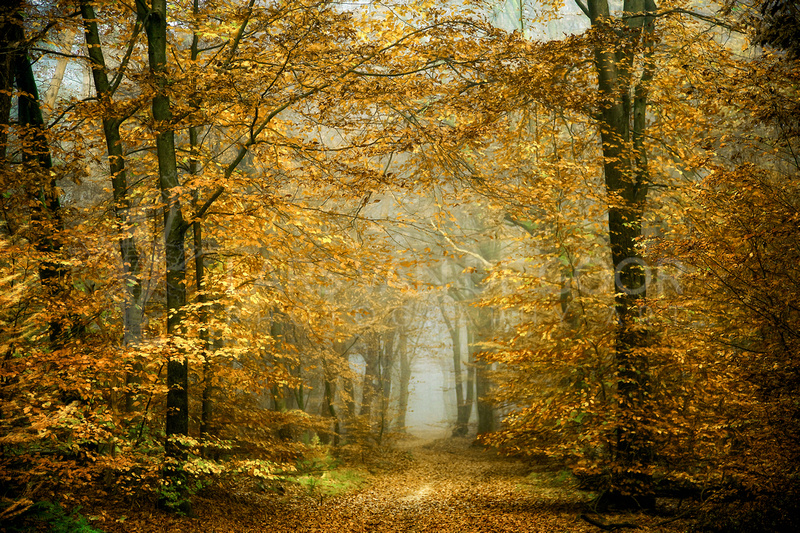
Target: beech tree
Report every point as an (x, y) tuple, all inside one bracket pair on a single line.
[(112, 122), (623, 102), (34, 174)]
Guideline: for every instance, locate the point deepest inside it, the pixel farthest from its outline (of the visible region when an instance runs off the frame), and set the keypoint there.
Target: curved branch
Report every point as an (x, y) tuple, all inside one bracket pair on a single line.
[(583, 7)]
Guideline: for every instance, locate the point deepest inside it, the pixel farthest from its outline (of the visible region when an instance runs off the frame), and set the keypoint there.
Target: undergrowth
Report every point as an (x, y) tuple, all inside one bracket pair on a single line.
[(54, 517), (322, 475)]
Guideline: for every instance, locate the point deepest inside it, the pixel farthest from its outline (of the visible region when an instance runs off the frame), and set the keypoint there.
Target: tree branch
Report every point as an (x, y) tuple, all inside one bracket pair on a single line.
[(461, 250), (583, 7), (705, 18), (238, 37)]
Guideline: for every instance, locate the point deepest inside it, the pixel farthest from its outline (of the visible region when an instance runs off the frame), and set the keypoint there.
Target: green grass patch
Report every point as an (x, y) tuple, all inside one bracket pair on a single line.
[(332, 482)]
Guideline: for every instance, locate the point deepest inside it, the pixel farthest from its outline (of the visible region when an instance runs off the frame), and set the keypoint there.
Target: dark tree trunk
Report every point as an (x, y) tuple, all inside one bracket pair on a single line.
[(8, 49), (134, 306), (177, 417), (463, 409), (199, 250), (478, 328), (622, 128), (39, 182), (368, 384), (469, 399), (329, 408), (483, 387), (385, 365), (350, 402)]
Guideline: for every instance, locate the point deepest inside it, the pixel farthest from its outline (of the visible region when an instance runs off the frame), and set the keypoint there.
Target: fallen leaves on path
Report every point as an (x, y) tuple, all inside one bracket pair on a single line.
[(448, 486)]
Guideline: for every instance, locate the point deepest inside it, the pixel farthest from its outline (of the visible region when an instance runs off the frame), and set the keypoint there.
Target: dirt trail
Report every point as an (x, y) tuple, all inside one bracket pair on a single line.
[(447, 486), (451, 486), (439, 486)]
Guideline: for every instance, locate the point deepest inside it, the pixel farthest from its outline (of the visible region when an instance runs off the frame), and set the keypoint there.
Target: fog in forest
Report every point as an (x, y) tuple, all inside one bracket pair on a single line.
[(430, 405)]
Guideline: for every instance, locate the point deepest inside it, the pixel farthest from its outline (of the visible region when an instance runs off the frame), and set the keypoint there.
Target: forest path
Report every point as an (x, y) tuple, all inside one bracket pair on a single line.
[(450, 486), (444, 486), (441, 486)]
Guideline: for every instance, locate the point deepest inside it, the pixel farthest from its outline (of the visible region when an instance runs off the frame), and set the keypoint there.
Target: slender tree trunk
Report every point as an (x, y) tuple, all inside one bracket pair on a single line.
[(483, 386), (207, 406), (404, 380), (199, 247), (463, 410), (299, 394), (134, 305), (479, 326), (469, 399), (368, 385), (329, 407), (61, 67), (350, 403), (206, 409), (385, 365), (8, 20), (177, 418), (622, 129)]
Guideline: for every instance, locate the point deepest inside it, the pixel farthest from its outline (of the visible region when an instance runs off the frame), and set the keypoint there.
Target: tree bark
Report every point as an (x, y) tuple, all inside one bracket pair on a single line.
[(622, 122), (479, 326), (368, 384), (463, 409), (329, 407), (133, 312), (8, 20), (177, 418), (404, 380), (61, 67), (385, 364), (199, 251), (40, 183)]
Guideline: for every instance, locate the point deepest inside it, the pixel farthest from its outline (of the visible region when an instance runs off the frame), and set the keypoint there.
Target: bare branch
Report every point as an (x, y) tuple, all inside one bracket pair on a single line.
[(480, 258)]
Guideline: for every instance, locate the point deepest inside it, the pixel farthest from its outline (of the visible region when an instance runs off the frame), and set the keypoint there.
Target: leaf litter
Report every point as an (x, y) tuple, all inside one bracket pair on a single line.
[(441, 486)]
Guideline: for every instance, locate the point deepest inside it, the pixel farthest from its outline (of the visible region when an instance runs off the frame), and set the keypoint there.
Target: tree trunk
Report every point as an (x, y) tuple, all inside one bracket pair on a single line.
[(329, 408), (61, 67), (199, 247), (469, 399), (386, 363), (486, 416), (8, 19), (463, 409), (622, 125), (404, 380), (177, 418), (479, 327), (133, 312), (350, 403), (368, 385), (40, 186), (483, 386)]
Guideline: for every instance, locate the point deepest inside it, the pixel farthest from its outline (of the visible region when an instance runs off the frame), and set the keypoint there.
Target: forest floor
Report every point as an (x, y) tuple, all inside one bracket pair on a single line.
[(441, 486)]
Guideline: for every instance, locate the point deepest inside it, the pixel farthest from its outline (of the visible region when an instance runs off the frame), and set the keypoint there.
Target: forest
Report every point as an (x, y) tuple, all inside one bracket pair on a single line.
[(279, 259)]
